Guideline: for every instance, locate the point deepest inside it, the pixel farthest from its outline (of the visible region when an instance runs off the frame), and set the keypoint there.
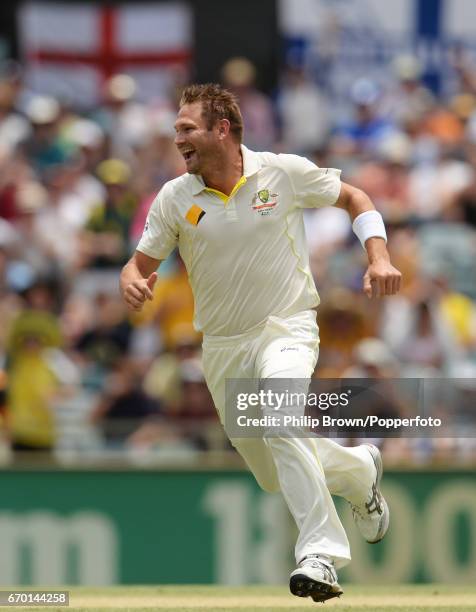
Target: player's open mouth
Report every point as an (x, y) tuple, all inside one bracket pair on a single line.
[(187, 154)]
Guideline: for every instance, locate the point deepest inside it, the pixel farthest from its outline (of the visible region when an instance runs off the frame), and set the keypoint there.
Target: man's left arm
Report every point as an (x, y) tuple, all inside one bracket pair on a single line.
[(381, 278)]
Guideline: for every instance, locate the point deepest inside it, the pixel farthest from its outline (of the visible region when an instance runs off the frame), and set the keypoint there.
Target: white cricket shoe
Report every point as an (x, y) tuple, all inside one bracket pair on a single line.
[(315, 577), (373, 516)]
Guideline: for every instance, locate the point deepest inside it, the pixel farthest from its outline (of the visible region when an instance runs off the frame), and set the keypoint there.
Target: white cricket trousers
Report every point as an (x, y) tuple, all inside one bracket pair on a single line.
[(306, 470)]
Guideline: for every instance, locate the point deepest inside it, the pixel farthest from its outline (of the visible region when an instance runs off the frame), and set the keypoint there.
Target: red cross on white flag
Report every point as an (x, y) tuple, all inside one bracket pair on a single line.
[(69, 49)]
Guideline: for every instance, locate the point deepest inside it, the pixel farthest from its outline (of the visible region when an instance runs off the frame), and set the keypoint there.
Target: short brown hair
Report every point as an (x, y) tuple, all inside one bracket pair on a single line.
[(217, 103)]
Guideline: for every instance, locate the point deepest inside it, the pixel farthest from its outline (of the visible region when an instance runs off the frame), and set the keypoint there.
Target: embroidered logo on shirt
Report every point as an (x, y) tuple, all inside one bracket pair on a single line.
[(264, 202), (195, 214), (263, 195)]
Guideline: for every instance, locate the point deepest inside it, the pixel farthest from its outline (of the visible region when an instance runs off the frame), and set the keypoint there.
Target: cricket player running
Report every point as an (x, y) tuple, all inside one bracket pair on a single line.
[(237, 218)]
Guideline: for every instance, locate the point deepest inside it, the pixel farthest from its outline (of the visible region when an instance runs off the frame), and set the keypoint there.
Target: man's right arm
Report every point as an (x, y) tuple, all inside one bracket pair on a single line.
[(137, 280)]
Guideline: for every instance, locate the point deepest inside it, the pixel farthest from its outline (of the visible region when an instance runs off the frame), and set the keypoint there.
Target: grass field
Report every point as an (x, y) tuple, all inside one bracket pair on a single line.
[(418, 598)]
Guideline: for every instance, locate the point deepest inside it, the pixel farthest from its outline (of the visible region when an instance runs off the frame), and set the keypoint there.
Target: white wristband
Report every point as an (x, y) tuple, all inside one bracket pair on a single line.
[(367, 225)]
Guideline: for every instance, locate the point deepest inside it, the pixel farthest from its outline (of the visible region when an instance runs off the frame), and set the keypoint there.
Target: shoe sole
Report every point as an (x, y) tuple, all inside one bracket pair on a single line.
[(303, 586), (385, 519)]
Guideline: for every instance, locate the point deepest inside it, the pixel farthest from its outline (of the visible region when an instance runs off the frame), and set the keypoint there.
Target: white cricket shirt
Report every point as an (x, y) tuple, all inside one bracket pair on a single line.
[(246, 254)]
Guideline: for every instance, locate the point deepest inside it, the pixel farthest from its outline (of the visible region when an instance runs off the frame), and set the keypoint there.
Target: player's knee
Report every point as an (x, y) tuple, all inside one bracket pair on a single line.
[(269, 485), (260, 462)]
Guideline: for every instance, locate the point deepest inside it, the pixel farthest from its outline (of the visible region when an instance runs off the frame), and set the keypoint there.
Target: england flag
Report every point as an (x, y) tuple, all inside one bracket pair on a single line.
[(70, 49)]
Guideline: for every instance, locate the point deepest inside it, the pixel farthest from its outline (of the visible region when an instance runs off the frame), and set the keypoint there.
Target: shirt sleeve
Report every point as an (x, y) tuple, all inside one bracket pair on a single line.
[(313, 186), (160, 235)]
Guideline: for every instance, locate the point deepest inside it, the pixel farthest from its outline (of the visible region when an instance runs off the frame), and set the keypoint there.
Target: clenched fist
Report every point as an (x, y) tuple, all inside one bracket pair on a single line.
[(138, 291), (381, 279)]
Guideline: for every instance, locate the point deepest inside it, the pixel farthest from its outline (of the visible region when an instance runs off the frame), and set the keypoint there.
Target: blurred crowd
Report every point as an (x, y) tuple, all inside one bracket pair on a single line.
[(80, 377)]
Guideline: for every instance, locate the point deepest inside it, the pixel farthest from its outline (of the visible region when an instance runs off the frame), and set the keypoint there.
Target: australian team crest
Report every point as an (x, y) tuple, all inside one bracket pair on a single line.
[(263, 195), (264, 202)]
